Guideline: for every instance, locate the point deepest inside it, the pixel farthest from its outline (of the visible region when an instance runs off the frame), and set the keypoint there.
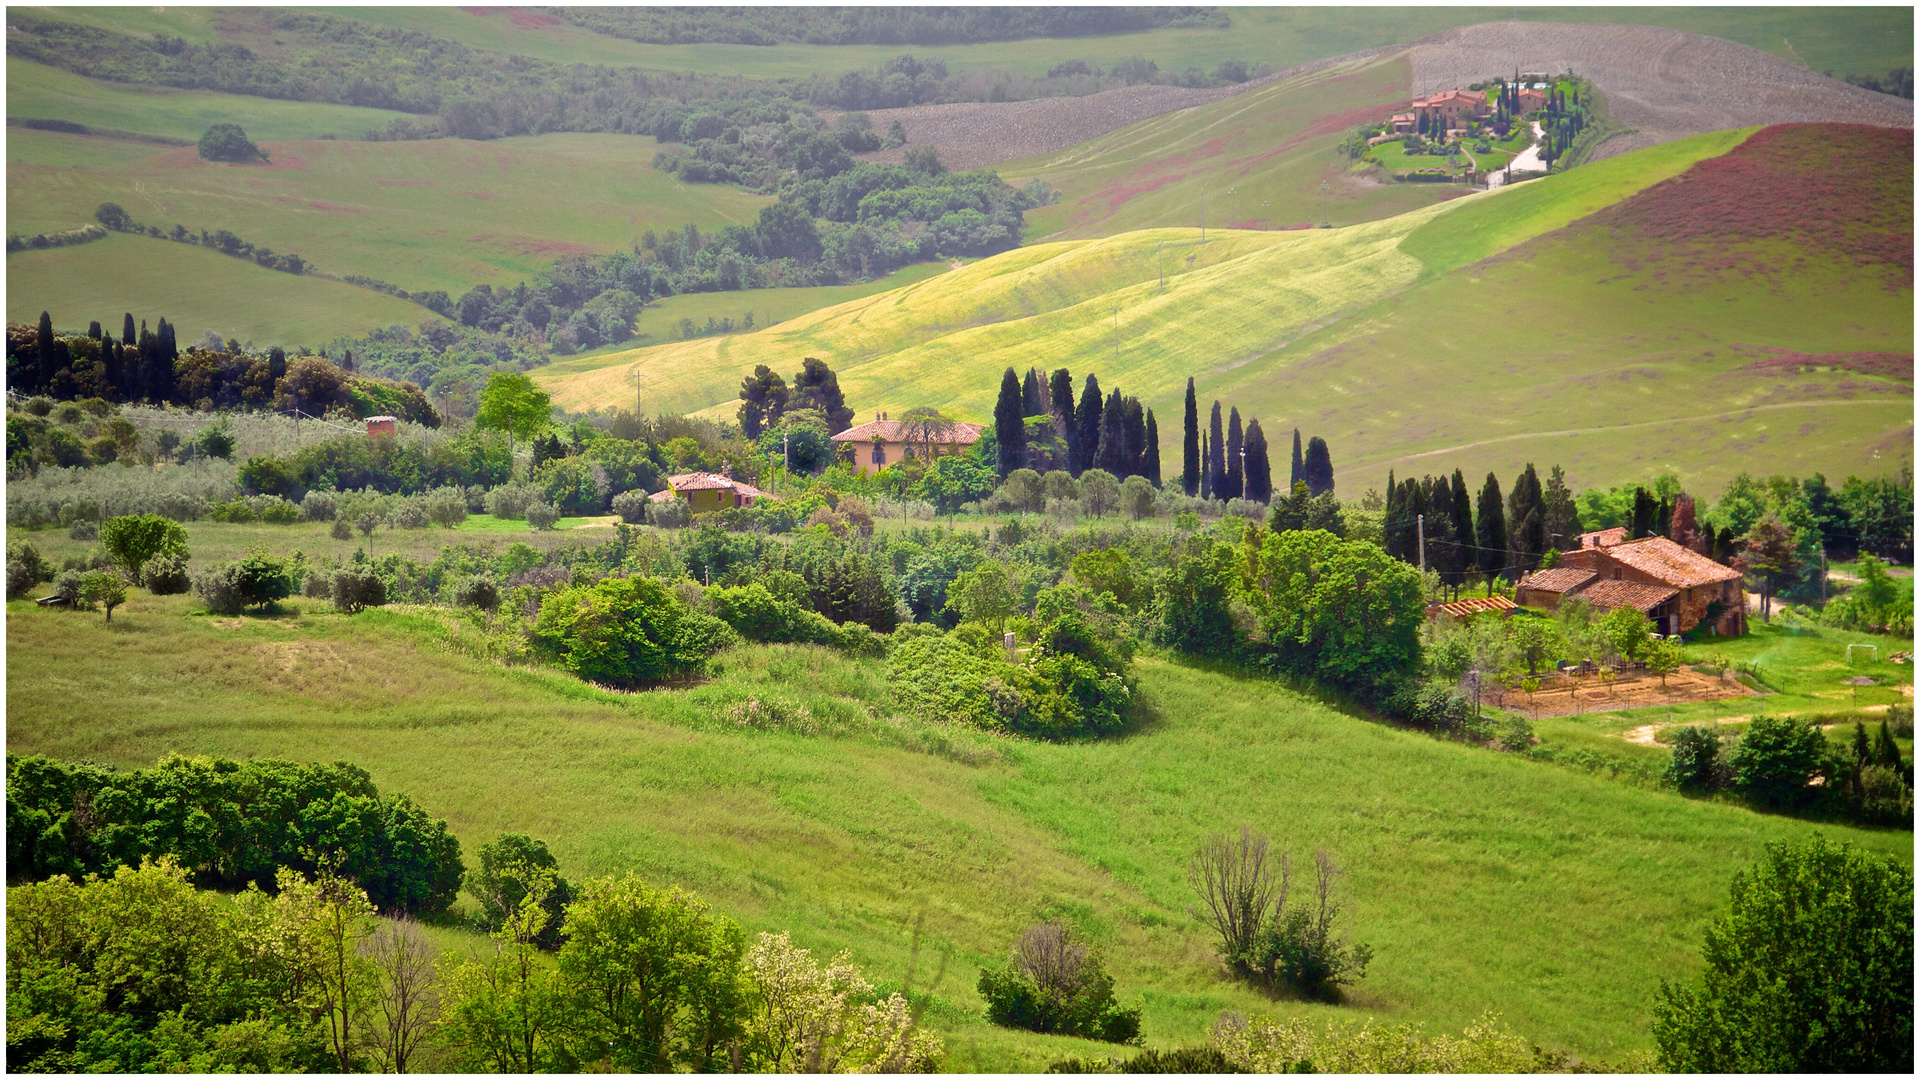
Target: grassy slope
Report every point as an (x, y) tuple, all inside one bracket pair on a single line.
[(1262, 159), (194, 288), (1846, 39), (36, 91), (1483, 881), (1230, 320), (444, 213)]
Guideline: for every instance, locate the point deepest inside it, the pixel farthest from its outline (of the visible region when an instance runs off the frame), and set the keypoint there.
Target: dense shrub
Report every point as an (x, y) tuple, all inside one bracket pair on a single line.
[(356, 588), (258, 580), (499, 886), (670, 514), (1052, 984), (165, 575), (25, 570), (1244, 893), (229, 823), (627, 632), (1343, 613), (1809, 971), (68, 585), (1697, 764), (1776, 760), (132, 540), (477, 591), (957, 677), (542, 516), (631, 506), (758, 615)]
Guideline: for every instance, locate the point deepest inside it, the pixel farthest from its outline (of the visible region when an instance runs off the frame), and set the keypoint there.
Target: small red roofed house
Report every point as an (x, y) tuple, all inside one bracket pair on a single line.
[(1448, 108), (706, 492), (883, 442), (1678, 588), (1531, 99), (382, 425)]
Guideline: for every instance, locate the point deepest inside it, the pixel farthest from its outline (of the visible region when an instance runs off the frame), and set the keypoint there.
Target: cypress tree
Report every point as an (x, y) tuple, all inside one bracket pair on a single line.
[(1527, 524), (1008, 428), (1463, 522), (45, 367), (1490, 531), (1259, 477), (1206, 474), (93, 330), (1087, 423), (1443, 533), (276, 363), (1640, 525), (1033, 399), (1295, 476), (1134, 428), (1216, 455), (1317, 469), (126, 331), (1060, 394), (1236, 443), (110, 361), (1153, 450), (1113, 436), (1190, 445), (346, 360)]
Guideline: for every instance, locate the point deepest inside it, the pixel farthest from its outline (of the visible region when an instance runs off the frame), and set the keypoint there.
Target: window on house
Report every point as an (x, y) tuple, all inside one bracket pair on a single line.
[(879, 454)]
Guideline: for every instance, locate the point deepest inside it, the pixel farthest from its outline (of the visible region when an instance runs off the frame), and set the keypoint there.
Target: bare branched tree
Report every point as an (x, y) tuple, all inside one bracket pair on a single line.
[(407, 1004), (1049, 956), (1239, 887)]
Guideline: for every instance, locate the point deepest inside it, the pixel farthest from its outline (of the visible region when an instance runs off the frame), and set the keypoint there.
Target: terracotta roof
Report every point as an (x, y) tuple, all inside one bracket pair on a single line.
[(1560, 579), (706, 481), (890, 431), (1475, 97), (1607, 595), (1603, 537), (1661, 558), (1472, 605)]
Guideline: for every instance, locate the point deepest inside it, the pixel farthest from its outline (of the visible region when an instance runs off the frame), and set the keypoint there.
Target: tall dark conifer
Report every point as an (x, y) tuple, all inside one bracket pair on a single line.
[(1113, 436), (1295, 476), (1087, 423), (45, 343), (126, 331), (1060, 403), (1317, 468), (1134, 430), (1009, 430), (1206, 474), (1259, 469), (1463, 521), (1216, 454), (1190, 444), (1153, 450), (1490, 531), (1444, 547), (1526, 524), (1236, 442), (1033, 395)]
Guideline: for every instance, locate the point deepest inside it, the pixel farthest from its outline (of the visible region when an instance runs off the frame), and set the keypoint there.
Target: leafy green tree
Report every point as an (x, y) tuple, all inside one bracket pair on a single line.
[(1099, 491), (628, 631), (509, 1012), (1628, 631), (1809, 971), (801, 440), (982, 595), (1344, 613), (1194, 599), (953, 481), (1776, 760), (133, 539), (1696, 764), (816, 387), (227, 142), (106, 588), (1770, 552), (511, 403), (653, 978)]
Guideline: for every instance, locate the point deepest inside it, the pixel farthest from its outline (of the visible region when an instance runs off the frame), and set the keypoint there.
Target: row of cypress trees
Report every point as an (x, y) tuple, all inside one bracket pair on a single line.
[(1112, 432), (139, 366), (1232, 463), (1493, 536)]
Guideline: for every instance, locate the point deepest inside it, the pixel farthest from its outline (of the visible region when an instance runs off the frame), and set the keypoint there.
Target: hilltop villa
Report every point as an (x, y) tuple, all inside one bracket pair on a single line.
[(883, 442), (1677, 587), (706, 492)]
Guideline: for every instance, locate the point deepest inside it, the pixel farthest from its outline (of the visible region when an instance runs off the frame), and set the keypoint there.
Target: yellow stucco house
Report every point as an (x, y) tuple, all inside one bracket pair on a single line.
[(706, 492), (883, 442)]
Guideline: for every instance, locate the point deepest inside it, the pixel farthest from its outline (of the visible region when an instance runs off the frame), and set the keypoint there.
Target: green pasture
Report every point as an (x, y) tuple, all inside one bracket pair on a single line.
[(1394, 158), (193, 288), (1859, 39), (1265, 159), (1483, 881), (1349, 334), (434, 214), (38, 92)]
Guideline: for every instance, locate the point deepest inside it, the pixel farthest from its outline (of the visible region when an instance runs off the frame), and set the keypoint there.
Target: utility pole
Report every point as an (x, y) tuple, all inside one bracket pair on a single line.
[(786, 458), (1243, 470), (1420, 530)]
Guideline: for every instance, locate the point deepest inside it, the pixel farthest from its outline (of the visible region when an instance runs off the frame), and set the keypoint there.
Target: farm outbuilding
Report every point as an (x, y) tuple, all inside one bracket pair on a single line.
[(1677, 587), (706, 492)]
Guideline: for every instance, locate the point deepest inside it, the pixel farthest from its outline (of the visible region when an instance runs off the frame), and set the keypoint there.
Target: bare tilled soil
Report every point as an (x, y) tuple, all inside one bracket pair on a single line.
[(1663, 84), (972, 134), (1568, 696)]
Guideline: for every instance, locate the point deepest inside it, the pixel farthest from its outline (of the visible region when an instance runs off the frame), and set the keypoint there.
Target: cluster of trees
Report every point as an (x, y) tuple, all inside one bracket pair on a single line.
[(1244, 896), (1233, 464), (882, 26), (1485, 535), (768, 405), (115, 217), (1055, 985), (229, 824), (1898, 82), (228, 142), (140, 971), (1037, 426), (148, 365), (1784, 764)]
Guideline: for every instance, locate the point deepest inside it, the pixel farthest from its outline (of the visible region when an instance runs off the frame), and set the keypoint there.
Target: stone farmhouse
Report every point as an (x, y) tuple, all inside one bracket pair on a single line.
[(1677, 587), (706, 492), (883, 442)]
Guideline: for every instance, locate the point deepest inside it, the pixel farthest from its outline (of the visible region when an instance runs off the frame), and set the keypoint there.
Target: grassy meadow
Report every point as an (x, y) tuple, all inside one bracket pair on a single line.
[(1484, 881), (195, 288), (433, 214), (1518, 358), (1860, 39)]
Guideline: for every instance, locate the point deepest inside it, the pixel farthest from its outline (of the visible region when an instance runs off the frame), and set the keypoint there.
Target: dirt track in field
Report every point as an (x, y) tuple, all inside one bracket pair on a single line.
[(1662, 84)]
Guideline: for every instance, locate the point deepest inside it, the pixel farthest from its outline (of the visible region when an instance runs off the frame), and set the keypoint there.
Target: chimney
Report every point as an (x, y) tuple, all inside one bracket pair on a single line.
[(726, 472)]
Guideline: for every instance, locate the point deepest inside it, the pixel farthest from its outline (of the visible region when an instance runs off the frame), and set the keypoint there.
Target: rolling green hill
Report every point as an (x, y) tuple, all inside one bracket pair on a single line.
[(1485, 882), (194, 288), (1455, 361)]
